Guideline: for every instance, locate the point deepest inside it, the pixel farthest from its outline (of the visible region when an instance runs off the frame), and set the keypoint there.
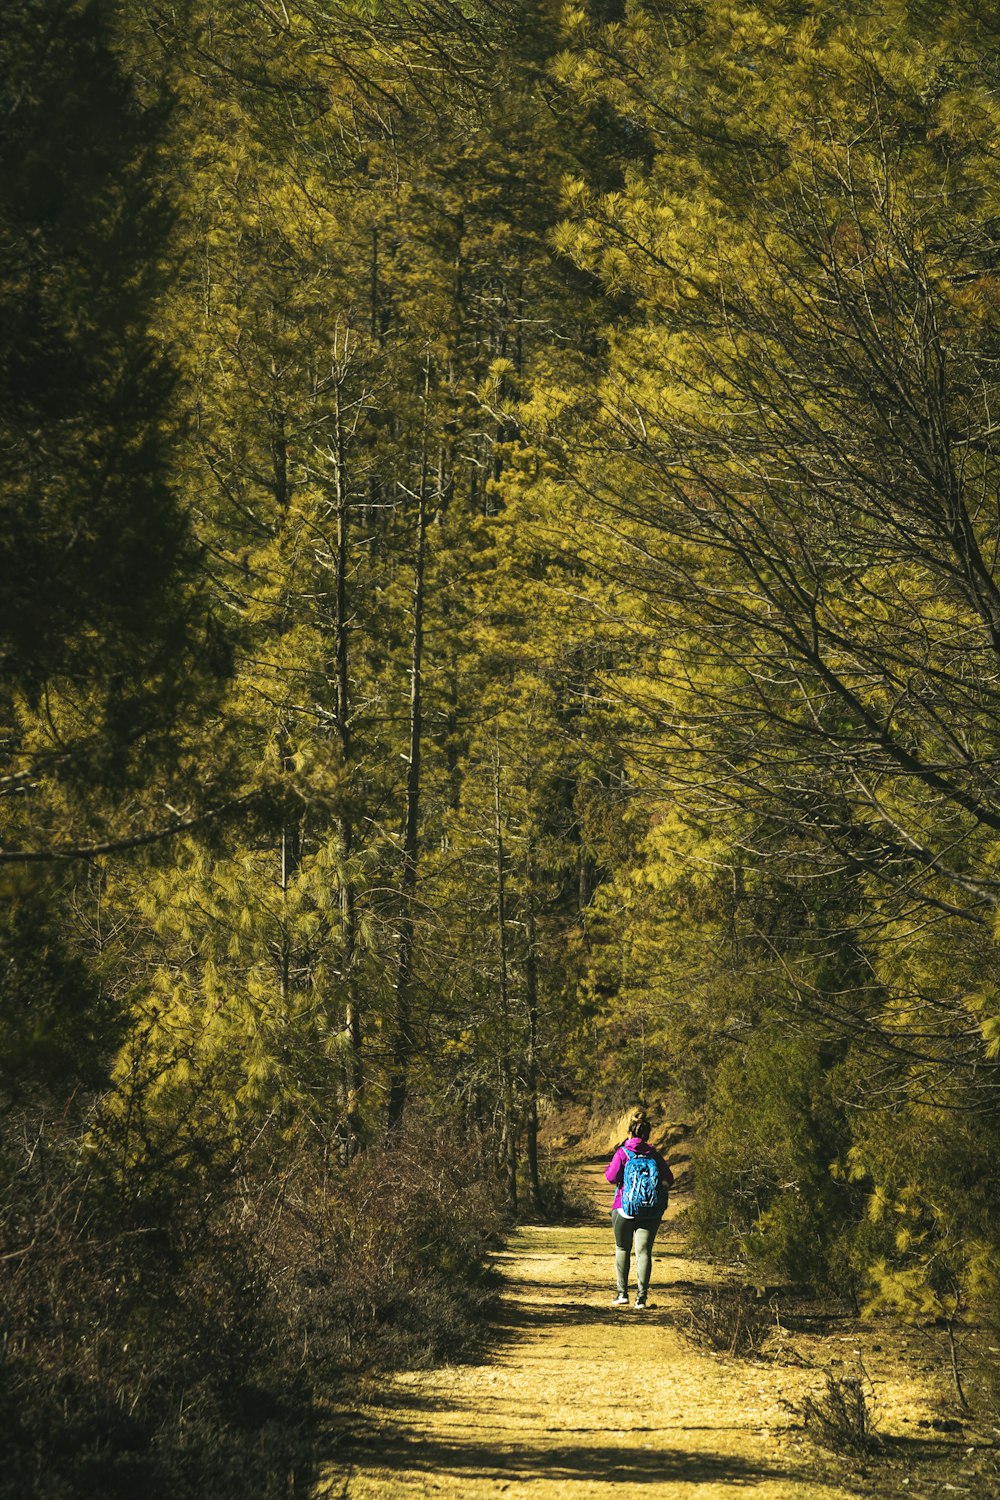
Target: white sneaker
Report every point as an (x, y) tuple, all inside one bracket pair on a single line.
[(620, 1301), (640, 1304)]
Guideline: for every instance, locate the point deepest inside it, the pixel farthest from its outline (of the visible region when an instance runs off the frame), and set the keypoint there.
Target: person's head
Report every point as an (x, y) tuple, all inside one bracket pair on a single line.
[(638, 1125)]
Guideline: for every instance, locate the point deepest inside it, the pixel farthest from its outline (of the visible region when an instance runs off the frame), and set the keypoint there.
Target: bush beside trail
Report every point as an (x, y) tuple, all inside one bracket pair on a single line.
[(178, 1337)]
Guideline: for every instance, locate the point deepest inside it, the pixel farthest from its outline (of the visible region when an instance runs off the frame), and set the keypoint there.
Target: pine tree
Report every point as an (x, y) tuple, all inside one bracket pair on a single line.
[(103, 645)]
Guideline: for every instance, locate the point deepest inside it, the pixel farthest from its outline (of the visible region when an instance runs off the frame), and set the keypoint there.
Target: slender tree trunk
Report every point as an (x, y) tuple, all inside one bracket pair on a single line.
[(375, 309), (531, 1061), (353, 1080), (279, 458), (378, 337), (289, 865), (506, 428), (290, 837), (506, 1070), (403, 1042), (496, 460), (584, 886)]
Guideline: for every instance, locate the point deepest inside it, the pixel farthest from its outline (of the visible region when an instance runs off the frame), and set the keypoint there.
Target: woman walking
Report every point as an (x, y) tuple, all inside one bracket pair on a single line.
[(642, 1180)]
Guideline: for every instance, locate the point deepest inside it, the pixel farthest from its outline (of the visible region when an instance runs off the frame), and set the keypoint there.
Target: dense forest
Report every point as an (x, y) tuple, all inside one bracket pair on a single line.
[(499, 602)]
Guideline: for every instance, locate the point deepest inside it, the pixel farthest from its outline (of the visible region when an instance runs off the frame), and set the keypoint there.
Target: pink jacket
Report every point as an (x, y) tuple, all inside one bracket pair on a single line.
[(615, 1170)]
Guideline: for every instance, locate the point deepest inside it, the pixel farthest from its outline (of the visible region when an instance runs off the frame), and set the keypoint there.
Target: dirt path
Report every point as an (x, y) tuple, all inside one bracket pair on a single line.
[(581, 1401)]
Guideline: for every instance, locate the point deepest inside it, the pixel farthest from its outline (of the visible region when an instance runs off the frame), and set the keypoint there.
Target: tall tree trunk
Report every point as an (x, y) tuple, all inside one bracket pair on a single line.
[(290, 847), (531, 1060), (506, 1070), (496, 457), (403, 1042), (375, 310), (290, 833), (352, 1084)]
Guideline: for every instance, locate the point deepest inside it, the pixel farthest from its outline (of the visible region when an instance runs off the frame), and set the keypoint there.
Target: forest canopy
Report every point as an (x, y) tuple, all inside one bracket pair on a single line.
[(499, 602)]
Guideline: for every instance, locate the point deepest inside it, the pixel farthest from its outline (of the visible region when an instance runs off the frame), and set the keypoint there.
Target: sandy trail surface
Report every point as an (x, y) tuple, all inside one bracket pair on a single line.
[(582, 1401)]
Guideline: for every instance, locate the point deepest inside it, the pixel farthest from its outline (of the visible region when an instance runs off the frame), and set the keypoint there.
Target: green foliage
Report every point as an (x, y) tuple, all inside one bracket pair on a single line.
[(260, 318), (933, 1172), (777, 465), (92, 532), (766, 1190), (59, 1026), (101, 647)]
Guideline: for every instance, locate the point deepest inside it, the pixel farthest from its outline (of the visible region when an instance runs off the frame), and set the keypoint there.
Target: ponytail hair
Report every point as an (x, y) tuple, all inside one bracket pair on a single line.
[(638, 1124)]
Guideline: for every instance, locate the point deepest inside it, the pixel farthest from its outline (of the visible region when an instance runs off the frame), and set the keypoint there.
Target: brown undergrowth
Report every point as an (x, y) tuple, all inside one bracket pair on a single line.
[(175, 1332)]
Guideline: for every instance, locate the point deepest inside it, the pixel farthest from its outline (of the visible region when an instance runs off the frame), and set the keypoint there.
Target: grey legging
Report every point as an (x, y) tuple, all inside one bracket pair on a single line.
[(644, 1234)]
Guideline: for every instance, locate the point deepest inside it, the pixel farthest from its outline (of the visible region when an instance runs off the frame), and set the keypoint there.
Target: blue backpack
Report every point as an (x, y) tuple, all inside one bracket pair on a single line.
[(642, 1192)]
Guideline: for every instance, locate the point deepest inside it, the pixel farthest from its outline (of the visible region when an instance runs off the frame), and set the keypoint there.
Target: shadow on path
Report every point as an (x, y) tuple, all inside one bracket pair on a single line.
[(478, 1460), (522, 1319)]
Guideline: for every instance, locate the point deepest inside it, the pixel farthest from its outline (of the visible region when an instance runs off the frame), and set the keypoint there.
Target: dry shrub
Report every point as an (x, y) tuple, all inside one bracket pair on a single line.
[(143, 1349), (563, 1202), (732, 1319), (842, 1418), (171, 1342), (403, 1271)]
